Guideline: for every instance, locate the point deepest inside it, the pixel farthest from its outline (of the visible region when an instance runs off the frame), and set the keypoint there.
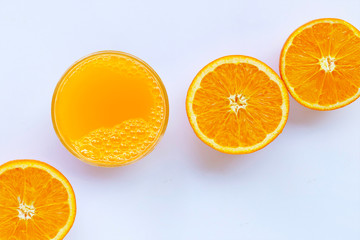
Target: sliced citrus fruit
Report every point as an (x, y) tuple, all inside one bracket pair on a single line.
[(237, 104), (320, 64), (36, 201)]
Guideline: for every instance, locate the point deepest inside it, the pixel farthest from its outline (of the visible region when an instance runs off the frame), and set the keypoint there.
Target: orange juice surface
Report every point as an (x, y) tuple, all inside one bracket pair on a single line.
[(110, 109)]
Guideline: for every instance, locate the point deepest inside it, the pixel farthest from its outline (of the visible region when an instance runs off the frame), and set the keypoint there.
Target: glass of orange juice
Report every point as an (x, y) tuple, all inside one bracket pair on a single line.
[(110, 109)]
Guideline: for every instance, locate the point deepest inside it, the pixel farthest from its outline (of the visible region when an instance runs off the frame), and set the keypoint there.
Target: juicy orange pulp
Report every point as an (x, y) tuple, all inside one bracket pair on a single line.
[(36, 201), (320, 64), (237, 104), (110, 109)]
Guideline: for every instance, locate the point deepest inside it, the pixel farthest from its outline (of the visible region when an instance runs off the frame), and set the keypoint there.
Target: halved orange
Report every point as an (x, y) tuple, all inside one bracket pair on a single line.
[(36, 202), (237, 104), (320, 64)]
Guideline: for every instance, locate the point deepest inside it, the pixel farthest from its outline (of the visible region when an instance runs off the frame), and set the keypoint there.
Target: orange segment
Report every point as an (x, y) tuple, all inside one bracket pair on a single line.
[(237, 104), (36, 201), (320, 64)]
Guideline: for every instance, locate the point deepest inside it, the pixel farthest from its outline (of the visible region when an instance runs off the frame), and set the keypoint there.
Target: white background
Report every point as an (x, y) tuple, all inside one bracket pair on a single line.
[(304, 185)]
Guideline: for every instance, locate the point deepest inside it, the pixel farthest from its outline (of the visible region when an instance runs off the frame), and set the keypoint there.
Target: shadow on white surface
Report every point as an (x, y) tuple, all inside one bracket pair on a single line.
[(302, 115), (209, 159)]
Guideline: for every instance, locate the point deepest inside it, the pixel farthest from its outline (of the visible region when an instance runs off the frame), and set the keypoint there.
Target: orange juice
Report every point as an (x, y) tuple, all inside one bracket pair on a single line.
[(110, 109)]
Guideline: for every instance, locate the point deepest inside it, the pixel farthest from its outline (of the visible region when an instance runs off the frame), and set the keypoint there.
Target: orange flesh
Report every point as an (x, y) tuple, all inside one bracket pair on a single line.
[(322, 65), (237, 105), (33, 204), (110, 109)]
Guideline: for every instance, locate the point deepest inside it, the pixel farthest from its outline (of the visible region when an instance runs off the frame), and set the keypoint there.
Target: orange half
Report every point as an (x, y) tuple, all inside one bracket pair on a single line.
[(36, 202), (237, 104), (320, 64)]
